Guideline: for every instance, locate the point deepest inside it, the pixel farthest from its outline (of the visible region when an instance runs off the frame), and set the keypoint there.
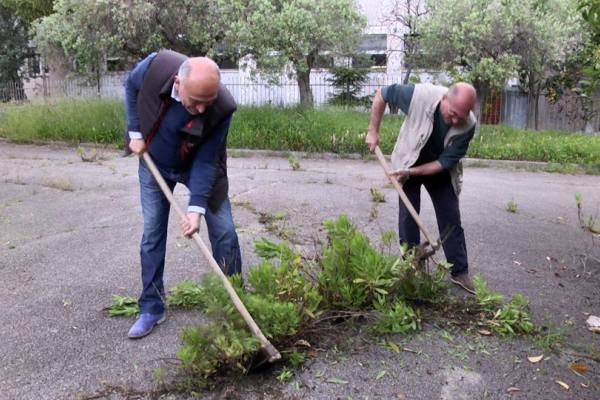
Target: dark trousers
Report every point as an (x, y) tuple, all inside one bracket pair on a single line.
[(445, 203)]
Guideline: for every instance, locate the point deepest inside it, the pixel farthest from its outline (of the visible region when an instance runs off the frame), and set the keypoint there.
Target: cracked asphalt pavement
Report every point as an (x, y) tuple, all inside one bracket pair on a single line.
[(70, 234)]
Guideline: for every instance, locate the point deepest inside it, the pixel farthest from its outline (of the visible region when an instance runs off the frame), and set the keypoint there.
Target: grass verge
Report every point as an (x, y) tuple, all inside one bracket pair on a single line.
[(326, 129)]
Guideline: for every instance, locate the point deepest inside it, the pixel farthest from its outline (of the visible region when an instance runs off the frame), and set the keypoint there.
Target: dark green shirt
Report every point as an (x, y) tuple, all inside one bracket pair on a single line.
[(401, 96)]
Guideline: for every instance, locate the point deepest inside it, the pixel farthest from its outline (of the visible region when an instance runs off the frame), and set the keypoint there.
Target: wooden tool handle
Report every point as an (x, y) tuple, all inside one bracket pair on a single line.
[(268, 348), (405, 200)]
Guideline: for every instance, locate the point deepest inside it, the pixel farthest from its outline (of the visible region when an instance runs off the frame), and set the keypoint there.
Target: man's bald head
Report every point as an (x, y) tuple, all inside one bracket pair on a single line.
[(197, 83), (458, 103)]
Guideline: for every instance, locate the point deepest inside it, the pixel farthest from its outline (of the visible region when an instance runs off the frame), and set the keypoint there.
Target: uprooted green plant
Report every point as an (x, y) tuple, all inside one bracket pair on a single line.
[(504, 318), (123, 306), (293, 298)]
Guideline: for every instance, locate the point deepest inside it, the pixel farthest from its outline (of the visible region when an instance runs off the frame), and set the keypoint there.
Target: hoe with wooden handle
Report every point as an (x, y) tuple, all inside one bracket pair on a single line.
[(435, 244), (267, 348)]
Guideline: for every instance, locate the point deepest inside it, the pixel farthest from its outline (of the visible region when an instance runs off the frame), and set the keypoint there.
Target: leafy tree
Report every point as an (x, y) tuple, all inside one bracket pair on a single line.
[(29, 10), (13, 52), (472, 39), (15, 20), (489, 41), (277, 32), (89, 30), (586, 63), (82, 29), (407, 15), (546, 32)]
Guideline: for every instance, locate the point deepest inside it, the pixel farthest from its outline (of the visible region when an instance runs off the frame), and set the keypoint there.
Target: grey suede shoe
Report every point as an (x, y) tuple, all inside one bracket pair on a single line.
[(464, 281)]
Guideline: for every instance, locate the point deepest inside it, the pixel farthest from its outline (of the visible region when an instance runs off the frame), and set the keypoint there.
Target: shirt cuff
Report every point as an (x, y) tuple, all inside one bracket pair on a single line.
[(197, 209), (135, 135)]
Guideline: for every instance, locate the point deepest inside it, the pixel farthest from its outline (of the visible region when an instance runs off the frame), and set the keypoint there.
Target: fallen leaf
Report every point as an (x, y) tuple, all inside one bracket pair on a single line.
[(535, 359), (513, 389), (380, 375), (564, 385), (302, 342), (337, 381), (484, 332), (579, 367)]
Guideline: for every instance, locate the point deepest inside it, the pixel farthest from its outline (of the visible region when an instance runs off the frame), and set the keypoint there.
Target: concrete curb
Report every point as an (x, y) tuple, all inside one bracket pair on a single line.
[(246, 153)]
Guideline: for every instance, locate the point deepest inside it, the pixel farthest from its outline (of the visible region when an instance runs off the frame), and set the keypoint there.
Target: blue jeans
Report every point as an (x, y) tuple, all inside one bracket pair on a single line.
[(445, 204), (155, 208)]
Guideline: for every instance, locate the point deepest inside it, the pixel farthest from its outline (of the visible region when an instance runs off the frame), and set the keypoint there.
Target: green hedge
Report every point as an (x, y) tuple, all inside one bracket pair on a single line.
[(325, 129)]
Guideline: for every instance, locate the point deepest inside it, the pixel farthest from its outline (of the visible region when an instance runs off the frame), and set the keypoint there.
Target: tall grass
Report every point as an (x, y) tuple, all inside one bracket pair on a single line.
[(507, 143), (295, 129), (70, 120), (314, 130)]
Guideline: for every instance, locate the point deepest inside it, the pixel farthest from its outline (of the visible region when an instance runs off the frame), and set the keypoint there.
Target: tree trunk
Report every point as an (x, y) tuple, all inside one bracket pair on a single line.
[(306, 96), (98, 77), (531, 104), (407, 76), (482, 92), (536, 108)]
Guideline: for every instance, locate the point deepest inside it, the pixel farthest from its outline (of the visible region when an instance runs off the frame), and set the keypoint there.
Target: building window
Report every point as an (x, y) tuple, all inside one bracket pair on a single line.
[(373, 43), (369, 60), (116, 64), (323, 61), (379, 60)]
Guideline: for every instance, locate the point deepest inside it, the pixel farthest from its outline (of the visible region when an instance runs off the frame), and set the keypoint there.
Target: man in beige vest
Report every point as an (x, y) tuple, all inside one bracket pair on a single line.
[(433, 139)]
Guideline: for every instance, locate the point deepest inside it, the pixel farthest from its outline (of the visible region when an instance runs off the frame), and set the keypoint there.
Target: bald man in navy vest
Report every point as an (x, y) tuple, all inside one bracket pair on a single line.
[(179, 112)]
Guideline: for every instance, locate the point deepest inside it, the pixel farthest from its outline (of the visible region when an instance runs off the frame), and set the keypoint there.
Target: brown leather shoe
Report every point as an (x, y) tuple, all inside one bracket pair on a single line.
[(464, 281)]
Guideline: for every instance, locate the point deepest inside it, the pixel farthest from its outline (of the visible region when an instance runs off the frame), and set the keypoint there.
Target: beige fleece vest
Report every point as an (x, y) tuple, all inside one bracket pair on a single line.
[(417, 128)]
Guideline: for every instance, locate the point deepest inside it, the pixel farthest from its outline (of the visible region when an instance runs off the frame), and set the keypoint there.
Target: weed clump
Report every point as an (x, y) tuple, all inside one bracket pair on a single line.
[(293, 298)]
